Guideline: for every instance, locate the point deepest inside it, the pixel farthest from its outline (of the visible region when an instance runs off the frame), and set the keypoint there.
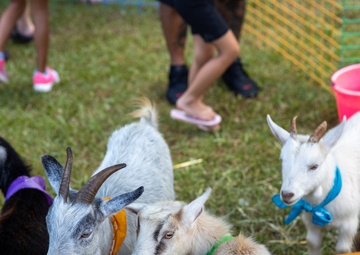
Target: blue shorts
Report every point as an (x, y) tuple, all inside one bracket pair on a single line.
[(201, 16)]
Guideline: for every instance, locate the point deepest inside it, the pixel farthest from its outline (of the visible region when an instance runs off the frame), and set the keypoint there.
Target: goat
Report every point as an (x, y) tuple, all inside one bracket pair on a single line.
[(22, 219), (82, 222), (173, 227), (321, 179)]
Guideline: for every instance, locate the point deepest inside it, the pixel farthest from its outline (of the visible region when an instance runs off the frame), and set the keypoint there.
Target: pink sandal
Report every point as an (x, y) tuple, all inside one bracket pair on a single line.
[(202, 124)]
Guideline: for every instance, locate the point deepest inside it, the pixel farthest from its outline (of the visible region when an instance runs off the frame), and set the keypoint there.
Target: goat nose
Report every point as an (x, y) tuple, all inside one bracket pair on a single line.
[(286, 196)]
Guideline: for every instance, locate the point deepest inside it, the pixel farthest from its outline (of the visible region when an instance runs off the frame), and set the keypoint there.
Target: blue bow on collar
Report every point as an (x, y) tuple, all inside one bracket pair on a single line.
[(320, 216)]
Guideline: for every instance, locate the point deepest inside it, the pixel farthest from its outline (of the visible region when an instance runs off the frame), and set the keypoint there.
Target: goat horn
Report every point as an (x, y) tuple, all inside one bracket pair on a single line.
[(65, 181), (293, 131), (87, 193), (318, 133)]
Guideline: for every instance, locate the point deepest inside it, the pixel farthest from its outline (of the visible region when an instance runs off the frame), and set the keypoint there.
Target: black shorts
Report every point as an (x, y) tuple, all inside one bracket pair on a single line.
[(202, 17)]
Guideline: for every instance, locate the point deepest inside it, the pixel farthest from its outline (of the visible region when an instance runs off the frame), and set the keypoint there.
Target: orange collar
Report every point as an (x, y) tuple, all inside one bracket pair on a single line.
[(118, 222)]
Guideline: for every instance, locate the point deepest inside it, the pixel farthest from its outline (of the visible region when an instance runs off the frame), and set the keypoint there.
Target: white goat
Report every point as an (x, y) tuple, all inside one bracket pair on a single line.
[(171, 227), (82, 223), (322, 173)]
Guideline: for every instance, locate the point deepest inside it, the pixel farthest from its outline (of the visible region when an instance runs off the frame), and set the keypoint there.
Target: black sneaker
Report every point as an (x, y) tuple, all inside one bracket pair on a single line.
[(178, 82), (6, 55), (238, 81), (20, 38)]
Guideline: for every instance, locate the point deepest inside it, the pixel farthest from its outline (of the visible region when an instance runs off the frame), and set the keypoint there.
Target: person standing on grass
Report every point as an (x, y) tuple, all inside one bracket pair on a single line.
[(175, 29), (210, 34), (44, 77)]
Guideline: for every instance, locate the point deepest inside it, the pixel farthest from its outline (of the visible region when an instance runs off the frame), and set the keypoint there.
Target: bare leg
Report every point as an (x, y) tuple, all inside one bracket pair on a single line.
[(174, 29), (24, 24), (41, 20), (203, 52), (207, 74), (8, 20)]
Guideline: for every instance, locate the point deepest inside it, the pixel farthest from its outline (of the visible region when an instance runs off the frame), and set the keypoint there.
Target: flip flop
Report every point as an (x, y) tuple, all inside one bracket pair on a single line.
[(209, 129), (203, 124)]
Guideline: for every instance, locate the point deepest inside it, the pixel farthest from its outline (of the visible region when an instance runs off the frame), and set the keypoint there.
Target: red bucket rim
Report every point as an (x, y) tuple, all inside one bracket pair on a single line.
[(339, 72)]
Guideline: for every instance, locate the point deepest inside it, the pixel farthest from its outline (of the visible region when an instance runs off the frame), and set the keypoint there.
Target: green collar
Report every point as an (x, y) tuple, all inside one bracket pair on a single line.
[(218, 243)]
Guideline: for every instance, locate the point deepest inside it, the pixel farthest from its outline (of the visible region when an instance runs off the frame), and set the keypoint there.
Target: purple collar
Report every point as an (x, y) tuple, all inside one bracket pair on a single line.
[(26, 182)]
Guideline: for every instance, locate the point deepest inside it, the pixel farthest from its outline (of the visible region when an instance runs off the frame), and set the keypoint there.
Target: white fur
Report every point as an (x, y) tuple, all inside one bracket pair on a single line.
[(172, 227), (149, 164), (340, 147)]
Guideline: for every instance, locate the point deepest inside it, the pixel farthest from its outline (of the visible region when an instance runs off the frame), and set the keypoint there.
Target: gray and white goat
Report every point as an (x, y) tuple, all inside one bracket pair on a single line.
[(173, 227), (321, 179), (80, 223)]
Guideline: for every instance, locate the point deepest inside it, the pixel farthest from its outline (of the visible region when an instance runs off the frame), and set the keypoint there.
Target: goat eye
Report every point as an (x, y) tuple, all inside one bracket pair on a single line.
[(168, 235), (313, 167), (85, 235)]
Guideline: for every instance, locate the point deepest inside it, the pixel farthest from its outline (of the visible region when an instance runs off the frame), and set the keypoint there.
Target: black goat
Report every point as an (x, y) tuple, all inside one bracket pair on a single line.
[(22, 219)]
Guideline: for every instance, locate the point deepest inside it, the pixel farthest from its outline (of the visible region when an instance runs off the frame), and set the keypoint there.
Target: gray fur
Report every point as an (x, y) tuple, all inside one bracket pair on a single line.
[(149, 164)]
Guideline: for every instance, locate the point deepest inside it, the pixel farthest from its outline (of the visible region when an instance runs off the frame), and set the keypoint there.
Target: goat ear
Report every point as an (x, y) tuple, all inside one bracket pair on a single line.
[(281, 134), (135, 207), (333, 136), (117, 203), (194, 209), (54, 171)]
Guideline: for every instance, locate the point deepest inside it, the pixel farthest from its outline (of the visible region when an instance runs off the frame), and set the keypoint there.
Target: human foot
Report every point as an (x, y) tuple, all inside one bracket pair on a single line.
[(196, 109), (202, 124)]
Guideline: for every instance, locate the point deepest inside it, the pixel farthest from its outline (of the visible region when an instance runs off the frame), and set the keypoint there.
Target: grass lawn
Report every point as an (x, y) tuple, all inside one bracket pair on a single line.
[(106, 58)]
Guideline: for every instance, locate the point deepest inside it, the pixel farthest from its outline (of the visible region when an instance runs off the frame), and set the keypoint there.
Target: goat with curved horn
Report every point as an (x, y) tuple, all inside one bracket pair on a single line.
[(95, 220)]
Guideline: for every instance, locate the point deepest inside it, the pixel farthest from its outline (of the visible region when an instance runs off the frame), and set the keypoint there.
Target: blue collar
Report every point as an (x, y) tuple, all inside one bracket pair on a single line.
[(320, 216)]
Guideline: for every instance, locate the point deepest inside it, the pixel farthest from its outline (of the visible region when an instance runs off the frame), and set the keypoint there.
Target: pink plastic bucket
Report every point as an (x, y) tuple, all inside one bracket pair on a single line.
[(346, 84)]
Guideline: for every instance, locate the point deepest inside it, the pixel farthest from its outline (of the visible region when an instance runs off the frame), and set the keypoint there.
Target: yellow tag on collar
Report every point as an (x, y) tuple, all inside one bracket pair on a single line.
[(118, 222), (119, 231)]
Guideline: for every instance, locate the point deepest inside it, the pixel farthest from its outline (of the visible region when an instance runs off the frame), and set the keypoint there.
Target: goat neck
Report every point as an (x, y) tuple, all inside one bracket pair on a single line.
[(206, 232)]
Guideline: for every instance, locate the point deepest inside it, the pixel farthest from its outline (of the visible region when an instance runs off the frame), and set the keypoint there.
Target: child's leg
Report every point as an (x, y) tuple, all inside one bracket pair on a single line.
[(174, 29), (24, 24), (191, 100), (8, 20), (41, 20), (203, 52)]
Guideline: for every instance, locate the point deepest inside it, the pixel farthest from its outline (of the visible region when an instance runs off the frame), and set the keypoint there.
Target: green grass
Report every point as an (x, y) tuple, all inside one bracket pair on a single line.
[(106, 58)]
